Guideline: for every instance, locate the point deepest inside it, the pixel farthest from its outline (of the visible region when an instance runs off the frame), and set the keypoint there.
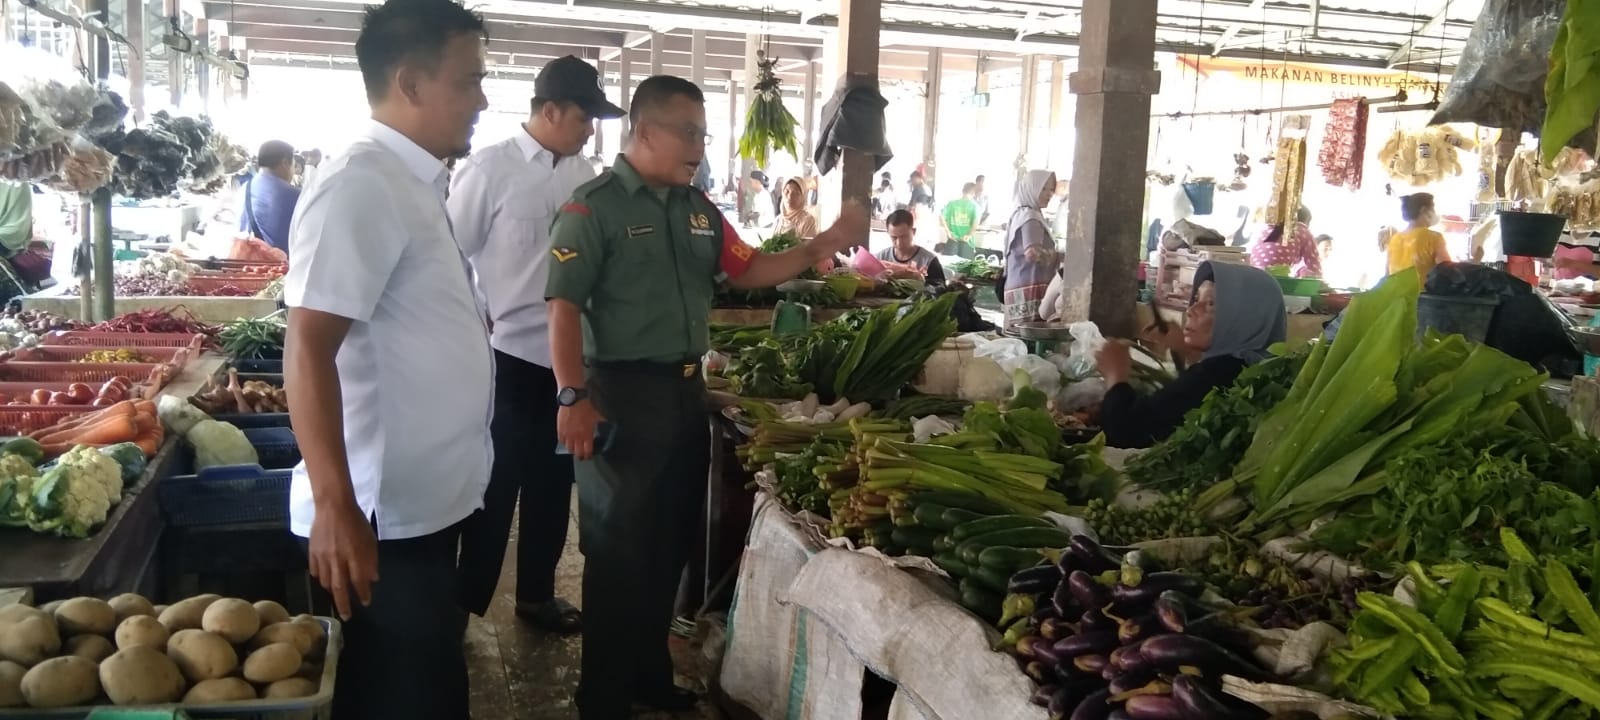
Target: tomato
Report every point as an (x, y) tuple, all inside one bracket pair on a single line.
[(39, 397), (60, 398), (80, 393)]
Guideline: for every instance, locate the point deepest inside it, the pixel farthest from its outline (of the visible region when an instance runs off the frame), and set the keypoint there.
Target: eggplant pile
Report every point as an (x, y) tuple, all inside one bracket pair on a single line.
[(1112, 637)]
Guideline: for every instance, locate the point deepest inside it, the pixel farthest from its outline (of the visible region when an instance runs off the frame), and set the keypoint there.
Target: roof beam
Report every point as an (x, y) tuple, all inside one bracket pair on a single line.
[(1233, 29), (253, 32), (500, 28), (1406, 49)]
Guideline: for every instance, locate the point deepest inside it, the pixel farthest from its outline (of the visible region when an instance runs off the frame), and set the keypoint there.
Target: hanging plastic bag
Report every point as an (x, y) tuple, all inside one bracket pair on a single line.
[(1500, 79), (1086, 343)]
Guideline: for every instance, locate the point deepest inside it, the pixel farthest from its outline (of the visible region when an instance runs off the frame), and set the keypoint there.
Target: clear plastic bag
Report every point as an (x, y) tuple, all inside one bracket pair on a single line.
[(1500, 79), (1001, 350), (1043, 374), (982, 380), (1086, 343)]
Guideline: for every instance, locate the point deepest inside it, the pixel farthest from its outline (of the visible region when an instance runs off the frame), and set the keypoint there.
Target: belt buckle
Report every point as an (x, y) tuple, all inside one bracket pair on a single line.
[(689, 368)]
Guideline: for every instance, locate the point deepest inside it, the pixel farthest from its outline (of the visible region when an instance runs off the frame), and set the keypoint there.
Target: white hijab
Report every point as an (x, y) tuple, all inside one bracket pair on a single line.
[(1029, 189)]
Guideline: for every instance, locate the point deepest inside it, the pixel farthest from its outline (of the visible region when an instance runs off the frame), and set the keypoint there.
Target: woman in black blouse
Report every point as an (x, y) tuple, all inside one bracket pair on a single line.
[(1235, 314)]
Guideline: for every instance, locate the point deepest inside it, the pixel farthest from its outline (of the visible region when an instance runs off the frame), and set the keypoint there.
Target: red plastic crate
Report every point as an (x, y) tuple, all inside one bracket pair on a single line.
[(76, 353), (102, 339), (205, 285), (24, 419), (151, 374)]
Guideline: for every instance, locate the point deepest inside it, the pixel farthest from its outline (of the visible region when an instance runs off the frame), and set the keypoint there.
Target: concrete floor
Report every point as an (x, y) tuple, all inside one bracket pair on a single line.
[(519, 673)]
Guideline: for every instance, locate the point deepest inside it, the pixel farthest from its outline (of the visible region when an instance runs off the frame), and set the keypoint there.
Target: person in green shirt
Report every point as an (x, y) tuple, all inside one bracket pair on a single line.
[(638, 254), (958, 220), (16, 217)]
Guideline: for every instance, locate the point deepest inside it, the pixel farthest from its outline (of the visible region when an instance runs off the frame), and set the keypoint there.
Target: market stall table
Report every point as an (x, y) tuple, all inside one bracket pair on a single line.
[(55, 300)]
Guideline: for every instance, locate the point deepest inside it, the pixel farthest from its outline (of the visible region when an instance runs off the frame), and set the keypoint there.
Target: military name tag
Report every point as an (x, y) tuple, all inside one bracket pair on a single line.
[(640, 230)]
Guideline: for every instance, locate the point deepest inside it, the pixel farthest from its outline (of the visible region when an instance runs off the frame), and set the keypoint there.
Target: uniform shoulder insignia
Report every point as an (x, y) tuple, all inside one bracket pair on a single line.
[(575, 207), (562, 254)]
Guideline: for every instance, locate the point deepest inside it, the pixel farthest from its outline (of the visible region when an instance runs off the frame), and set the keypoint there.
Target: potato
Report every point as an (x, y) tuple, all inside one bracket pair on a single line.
[(220, 690), (272, 663), (271, 613), (187, 614), (142, 630), (141, 675), (319, 634), (11, 684), (128, 605), (293, 633), (291, 688), (30, 642), (161, 609), (50, 607), (90, 647), (61, 682), (202, 655), (234, 619), (13, 614), (86, 616)]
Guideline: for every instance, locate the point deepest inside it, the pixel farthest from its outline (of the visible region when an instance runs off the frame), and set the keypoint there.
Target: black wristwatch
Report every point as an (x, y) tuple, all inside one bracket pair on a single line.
[(569, 396)]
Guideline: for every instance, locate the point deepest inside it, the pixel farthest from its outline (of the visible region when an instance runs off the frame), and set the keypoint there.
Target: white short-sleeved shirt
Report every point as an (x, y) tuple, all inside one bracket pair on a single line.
[(371, 242), (502, 202)]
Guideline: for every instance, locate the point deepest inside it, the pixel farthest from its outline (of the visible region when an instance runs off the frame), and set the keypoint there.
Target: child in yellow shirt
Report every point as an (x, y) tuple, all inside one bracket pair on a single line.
[(1417, 246)]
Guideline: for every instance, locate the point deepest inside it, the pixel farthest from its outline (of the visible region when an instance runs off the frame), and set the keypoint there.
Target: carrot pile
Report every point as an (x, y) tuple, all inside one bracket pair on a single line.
[(132, 421)]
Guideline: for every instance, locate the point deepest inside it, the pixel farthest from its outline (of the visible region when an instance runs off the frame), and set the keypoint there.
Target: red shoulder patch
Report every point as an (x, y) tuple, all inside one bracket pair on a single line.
[(578, 208)]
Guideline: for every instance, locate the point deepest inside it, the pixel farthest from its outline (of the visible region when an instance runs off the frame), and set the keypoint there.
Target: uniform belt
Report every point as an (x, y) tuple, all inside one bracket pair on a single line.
[(686, 369)]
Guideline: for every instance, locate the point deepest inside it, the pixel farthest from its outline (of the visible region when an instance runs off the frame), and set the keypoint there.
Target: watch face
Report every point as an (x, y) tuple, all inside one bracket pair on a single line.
[(570, 396)]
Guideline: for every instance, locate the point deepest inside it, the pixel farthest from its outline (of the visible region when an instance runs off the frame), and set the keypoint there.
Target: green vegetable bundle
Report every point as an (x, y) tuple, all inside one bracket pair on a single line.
[(1572, 89), (768, 125), (253, 339), (887, 353)]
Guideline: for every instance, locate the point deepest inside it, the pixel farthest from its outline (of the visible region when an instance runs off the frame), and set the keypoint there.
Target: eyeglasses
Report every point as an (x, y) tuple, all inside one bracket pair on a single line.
[(690, 132)]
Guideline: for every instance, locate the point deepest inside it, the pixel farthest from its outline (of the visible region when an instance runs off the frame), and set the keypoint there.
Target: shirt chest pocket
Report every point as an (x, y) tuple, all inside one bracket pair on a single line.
[(698, 245), (530, 219)]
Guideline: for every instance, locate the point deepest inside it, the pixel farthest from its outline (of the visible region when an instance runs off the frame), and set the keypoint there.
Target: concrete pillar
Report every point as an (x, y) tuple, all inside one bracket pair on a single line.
[(202, 69), (808, 124), (224, 44), (5, 23), (697, 57), (732, 136), (656, 40), (932, 89), (1030, 67), (1115, 80), (859, 22), (99, 227), (169, 10), (133, 29), (752, 43), (1058, 86), (625, 82)]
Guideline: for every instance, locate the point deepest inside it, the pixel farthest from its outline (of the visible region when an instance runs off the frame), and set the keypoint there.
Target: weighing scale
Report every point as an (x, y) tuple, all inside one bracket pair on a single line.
[(790, 316), (1042, 337)]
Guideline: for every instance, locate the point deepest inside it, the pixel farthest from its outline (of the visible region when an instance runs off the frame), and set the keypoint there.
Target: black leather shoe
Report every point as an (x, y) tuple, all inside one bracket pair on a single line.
[(555, 615), (676, 700)]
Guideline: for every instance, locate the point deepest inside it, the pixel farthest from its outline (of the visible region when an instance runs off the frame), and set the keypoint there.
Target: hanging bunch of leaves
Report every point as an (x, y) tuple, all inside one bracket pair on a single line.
[(768, 125)]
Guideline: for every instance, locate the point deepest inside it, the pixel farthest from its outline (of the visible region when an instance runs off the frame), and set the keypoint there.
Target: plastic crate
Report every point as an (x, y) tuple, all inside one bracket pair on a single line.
[(99, 338), (151, 374), (10, 391), (259, 365), (316, 707), (218, 264), (246, 421), (276, 449), (226, 495), (76, 353), (207, 284), (24, 419)]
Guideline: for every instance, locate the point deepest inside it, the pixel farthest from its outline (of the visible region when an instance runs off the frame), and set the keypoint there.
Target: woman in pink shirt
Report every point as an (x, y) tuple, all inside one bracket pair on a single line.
[(1296, 248)]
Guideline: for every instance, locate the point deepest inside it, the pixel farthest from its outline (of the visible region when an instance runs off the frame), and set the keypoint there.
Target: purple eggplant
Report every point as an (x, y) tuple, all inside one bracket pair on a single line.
[(1090, 664), (1038, 671), (1028, 647), (1088, 592), (1091, 556), (1129, 659), (1154, 707), (1119, 714), (1063, 601), (1030, 581), (1041, 695), (1169, 652), (1090, 643), (1093, 620), (1133, 680), (1150, 588), (1172, 607), (1135, 629), (1054, 629), (1094, 707), (1197, 701)]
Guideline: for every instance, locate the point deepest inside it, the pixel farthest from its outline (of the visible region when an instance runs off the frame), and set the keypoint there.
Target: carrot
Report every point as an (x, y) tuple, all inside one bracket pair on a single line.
[(149, 442), (147, 422), (110, 430), (124, 408), (144, 406)]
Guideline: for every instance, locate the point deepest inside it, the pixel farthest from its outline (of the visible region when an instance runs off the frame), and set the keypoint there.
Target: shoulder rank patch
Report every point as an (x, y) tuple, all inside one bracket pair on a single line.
[(563, 254), (573, 207), (640, 230)]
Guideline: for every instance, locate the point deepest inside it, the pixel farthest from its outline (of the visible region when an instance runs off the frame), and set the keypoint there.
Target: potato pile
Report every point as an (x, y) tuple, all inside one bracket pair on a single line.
[(205, 650)]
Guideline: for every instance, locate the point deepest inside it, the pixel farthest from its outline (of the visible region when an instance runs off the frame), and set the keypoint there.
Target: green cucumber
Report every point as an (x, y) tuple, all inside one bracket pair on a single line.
[(981, 601), (941, 518), (915, 538), (996, 523), (1009, 559), (959, 516), (992, 579), (944, 543), (952, 564), (1024, 538), (965, 501)]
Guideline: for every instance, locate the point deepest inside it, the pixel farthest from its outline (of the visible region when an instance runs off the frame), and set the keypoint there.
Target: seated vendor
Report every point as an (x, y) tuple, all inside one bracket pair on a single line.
[(905, 251), (1235, 314)]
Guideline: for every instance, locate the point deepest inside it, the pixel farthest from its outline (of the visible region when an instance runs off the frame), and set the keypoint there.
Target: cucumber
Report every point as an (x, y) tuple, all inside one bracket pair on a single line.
[(991, 579), (959, 516), (1009, 559), (944, 543), (969, 552), (966, 501), (915, 538), (1024, 538), (981, 601), (996, 523), (941, 518), (949, 563)]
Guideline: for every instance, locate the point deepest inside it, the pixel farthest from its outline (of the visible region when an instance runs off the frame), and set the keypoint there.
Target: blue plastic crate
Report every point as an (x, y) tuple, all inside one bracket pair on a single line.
[(259, 366), (255, 420), (276, 449), (227, 495)]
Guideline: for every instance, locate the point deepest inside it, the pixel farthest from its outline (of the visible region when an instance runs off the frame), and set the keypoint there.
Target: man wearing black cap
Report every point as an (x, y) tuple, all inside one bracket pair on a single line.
[(501, 203)]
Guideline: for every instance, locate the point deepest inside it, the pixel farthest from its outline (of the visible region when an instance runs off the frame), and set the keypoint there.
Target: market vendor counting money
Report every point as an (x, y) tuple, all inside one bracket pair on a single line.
[(638, 254), (1236, 313)]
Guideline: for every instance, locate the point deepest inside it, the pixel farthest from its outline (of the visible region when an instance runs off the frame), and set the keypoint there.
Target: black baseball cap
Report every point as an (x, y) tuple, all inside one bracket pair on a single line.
[(570, 79)]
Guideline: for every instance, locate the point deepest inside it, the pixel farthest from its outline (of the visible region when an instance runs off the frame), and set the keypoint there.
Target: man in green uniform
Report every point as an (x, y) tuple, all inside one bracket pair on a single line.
[(638, 255), (959, 217)]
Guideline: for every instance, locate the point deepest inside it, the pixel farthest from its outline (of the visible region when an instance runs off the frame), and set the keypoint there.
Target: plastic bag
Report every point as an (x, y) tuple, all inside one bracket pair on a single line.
[(1080, 395), (865, 263), (982, 380), (1500, 79), (1001, 350), (1086, 343), (1043, 374)]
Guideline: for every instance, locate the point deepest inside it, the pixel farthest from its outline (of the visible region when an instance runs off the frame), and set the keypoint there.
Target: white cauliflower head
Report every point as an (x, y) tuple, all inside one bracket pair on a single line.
[(90, 465), (67, 503)]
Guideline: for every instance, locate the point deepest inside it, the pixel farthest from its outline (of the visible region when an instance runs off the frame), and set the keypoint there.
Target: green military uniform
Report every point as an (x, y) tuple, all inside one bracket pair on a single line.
[(642, 263)]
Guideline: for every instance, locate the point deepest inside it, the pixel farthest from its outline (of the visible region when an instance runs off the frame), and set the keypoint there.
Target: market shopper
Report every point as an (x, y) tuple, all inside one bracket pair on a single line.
[(389, 371), (1418, 245), (796, 217), (637, 256), (905, 251), (270, 195), (958, 220), (1234, 315), (502, 200), (980, 197), (1293, 247), (1031, 256)]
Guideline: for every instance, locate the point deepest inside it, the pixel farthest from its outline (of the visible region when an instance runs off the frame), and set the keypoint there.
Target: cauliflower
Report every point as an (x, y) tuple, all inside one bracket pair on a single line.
[(16, 484), (90, 465), (68, 503), (219, 443)]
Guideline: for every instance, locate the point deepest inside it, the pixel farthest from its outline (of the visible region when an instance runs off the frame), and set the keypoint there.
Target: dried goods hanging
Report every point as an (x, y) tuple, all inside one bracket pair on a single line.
[(1426, 156), (1344, 145), (768, 125), (1288, 172)]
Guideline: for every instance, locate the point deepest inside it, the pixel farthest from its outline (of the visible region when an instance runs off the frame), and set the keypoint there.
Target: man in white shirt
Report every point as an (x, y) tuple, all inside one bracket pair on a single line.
[(389, 370), (502, 201)]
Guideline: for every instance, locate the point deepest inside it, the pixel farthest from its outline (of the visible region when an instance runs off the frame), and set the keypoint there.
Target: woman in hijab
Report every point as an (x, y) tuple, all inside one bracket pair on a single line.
[(795, 218), (1235, 314), (1031, 256)]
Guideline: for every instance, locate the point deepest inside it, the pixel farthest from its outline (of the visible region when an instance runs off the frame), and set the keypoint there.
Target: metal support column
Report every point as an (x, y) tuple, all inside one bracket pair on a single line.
[(625, 85), (732, 136), (134, 30), (202, 70), (1030, 68), (752, 43), (599, 137), (656, 41), (175, 79), (932, 89), (697, 58), (1114, 83), (1058, 86), (808, 124), (99, 227)]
